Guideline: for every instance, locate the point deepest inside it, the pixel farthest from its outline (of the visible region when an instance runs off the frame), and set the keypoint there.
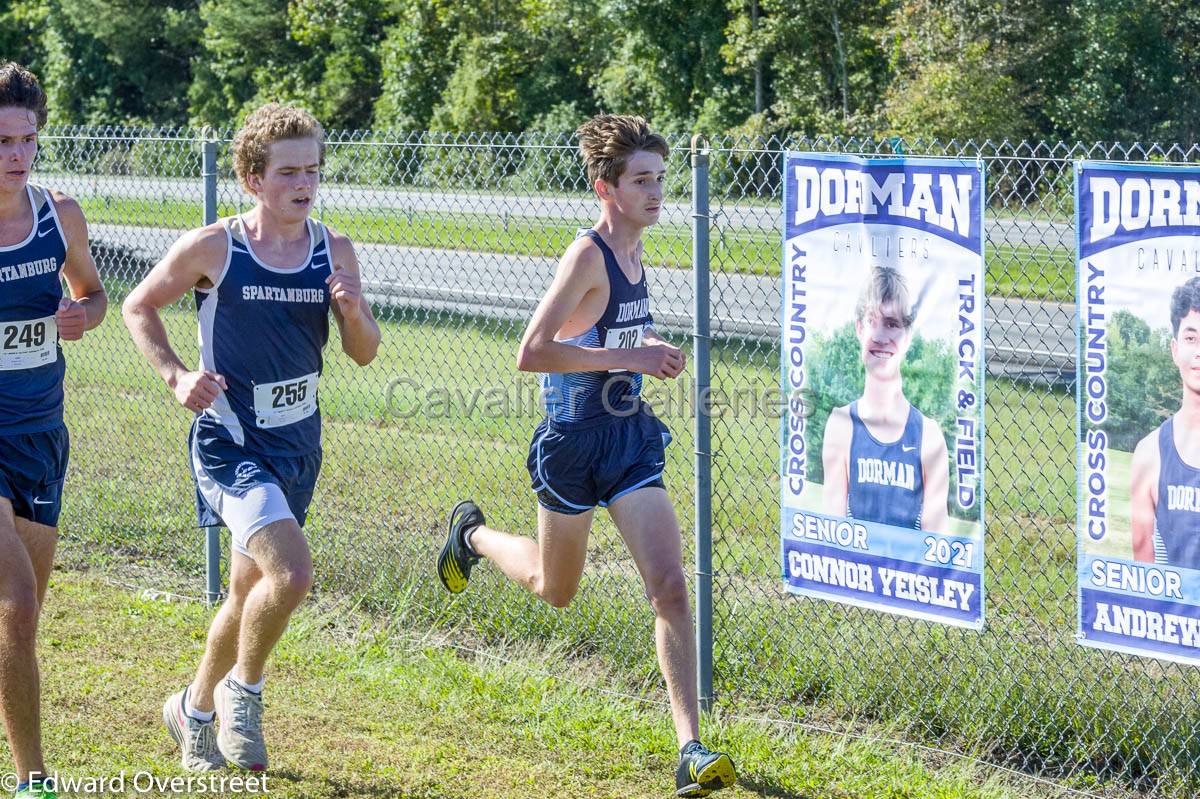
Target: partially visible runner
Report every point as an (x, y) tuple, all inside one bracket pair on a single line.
[(43, 241), (264, 284), (1164, 494), (592, 338)]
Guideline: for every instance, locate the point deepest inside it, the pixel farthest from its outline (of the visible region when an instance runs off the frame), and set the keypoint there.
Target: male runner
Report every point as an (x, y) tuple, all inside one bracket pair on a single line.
[(43, 240), (884, 460), (1164, 495), (592, 338), (264, 284)]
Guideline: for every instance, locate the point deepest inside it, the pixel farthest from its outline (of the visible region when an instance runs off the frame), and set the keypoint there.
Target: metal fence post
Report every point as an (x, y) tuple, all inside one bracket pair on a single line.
[(212, 537), (701, 399)]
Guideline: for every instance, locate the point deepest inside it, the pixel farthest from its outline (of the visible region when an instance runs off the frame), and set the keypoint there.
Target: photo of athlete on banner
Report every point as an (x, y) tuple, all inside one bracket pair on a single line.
[(905, 481), (1139, 384), (882, 363)]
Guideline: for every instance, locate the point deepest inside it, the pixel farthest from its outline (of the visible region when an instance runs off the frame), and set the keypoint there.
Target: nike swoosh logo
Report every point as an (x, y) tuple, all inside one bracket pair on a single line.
[(46, 233), (908, 449), (37, 501)]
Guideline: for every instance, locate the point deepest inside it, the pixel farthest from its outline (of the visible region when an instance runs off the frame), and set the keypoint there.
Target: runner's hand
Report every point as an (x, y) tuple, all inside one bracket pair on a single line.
[(345, 289), (658, 360), (70, 319), (197, 390)]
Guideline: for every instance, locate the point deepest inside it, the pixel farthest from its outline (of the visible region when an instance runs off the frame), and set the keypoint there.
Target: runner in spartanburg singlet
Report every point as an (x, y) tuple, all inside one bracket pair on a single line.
[(263, 329), (31, 361)]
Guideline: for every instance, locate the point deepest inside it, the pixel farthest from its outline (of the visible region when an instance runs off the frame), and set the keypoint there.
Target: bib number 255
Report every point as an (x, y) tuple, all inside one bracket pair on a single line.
[(285, 402)]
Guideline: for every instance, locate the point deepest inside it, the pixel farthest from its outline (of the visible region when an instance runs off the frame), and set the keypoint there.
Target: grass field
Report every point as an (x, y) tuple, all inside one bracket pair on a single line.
[(1021, 691), (362, 706), (1035, 272)]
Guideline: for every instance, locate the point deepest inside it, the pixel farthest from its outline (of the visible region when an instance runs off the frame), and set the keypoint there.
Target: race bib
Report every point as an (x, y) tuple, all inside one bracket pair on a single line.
[(26, 345), (285, 402), (624, 338)]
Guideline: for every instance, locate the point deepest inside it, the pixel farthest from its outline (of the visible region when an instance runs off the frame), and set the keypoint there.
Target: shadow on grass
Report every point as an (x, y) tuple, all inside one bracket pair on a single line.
[(776, 791), (338, 787)]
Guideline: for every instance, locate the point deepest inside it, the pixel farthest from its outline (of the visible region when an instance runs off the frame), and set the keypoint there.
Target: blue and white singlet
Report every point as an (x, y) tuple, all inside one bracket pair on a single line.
[(263, 328), (887, 484), (31, 361), (583, 399)]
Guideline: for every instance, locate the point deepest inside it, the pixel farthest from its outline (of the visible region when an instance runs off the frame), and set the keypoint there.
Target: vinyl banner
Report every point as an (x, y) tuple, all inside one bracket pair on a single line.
[(882, 366), (1138, 284)]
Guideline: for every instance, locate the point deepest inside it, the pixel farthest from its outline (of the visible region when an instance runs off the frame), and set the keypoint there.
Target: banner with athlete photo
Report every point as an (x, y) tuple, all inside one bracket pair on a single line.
[(882, 364), (1138, 378)]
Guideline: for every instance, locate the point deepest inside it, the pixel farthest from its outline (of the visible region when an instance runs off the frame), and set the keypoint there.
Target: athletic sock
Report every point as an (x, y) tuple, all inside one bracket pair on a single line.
[(254, 688), (190, 710), (467, 541)]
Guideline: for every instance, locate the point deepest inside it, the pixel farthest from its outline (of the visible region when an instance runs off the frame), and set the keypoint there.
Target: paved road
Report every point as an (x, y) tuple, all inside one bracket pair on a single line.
[(728, 217), (1026, 338)]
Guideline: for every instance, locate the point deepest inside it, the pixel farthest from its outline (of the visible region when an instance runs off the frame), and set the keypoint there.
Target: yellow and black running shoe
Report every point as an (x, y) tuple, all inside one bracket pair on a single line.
[(456, 559), (701, 772)]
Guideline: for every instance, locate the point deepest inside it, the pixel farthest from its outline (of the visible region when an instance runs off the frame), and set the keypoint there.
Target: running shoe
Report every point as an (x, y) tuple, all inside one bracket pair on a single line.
[(701, 771), (37, 790), (239, 736), (197, 739), (455, 561)]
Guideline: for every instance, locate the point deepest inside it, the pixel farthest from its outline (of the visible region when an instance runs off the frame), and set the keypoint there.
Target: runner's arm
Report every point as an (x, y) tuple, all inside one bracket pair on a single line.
[(196, 257), (935, 464), (835, 457), (581, 272), (83, 280), (1143, 474), (358, 328)]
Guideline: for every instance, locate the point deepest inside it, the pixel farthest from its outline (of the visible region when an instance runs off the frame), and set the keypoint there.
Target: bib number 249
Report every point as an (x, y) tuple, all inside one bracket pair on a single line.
[(28, 344)]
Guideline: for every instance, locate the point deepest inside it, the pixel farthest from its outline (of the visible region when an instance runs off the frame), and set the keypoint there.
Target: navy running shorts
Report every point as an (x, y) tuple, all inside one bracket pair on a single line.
[(575, 469), (32, 469), (245, 491)]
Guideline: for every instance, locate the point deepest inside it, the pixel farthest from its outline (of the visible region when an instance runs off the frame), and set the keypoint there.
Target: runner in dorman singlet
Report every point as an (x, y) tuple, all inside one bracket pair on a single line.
[(886, 480)]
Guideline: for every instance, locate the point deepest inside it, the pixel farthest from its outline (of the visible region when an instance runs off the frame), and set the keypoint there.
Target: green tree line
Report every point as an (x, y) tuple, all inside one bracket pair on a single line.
[(1019, 69), (1144, 386)]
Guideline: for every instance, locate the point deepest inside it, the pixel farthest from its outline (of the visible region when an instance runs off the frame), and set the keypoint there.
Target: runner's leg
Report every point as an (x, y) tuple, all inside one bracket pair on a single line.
[(282, 556), (549, 567), (646, 519), (20, 691), (221, 651)]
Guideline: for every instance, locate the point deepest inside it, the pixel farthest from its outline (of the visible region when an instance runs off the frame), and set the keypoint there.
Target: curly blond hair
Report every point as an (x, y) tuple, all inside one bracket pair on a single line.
[(607, 141), (265, 126)]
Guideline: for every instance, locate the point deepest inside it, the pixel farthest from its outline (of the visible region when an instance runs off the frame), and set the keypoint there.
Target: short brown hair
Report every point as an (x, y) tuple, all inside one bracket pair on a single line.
[(265, 126), (19, 87), (885, 285), (607, 141)]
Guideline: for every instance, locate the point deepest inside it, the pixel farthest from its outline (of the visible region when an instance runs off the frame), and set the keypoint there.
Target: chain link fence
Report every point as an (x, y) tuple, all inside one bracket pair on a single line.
[(458, 236)]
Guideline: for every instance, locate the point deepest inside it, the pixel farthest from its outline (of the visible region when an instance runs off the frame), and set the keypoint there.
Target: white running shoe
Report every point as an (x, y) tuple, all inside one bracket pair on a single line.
[(196, 739), (239, 736)]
